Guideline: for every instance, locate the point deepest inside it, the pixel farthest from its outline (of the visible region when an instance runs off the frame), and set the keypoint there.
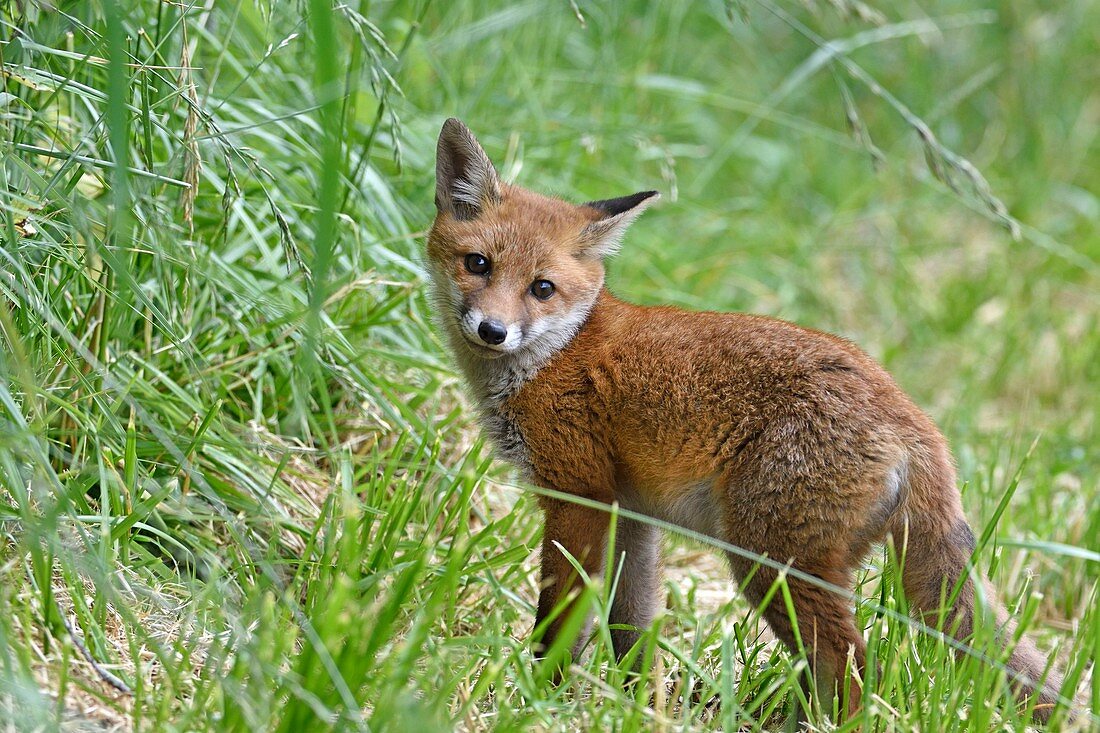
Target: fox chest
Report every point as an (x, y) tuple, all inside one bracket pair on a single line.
[(573, 461), (503, 430), (556, 446)]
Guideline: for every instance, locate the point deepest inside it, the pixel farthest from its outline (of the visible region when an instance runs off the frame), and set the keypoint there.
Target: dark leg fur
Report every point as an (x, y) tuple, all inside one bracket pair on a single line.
[(582, 532), (636, 600)]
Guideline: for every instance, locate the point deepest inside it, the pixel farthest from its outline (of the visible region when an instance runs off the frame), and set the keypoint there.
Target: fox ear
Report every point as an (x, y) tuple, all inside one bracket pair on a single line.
[(465, 180), (603, 236)]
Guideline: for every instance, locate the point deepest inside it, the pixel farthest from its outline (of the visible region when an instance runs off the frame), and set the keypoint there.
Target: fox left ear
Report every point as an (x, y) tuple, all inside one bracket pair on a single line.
[(465, 180), (602, 237)]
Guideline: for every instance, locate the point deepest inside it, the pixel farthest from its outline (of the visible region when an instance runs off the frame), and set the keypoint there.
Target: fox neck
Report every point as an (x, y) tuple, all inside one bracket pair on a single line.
[(493, 381)]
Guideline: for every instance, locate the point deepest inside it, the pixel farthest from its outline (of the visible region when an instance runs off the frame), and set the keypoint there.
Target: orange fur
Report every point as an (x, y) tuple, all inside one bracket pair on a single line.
[(778, 439)]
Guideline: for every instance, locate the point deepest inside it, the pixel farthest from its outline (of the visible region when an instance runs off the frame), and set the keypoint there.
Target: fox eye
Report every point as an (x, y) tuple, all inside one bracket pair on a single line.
[(542, 289), (477, 264)]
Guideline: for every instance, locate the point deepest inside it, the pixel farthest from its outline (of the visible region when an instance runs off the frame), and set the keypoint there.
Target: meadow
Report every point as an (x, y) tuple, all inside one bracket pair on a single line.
[(240, 485)]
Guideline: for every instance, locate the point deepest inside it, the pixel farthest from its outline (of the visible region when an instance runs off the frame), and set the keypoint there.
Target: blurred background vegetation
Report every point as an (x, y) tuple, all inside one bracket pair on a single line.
[(239, 486)]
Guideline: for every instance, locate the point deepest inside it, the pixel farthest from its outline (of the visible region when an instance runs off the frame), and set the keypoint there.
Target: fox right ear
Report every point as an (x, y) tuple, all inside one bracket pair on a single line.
[(465, 180), (601, 237)]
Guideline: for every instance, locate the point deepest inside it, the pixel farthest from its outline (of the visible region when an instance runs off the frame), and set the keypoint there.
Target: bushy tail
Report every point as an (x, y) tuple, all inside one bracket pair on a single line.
[(939, 543)]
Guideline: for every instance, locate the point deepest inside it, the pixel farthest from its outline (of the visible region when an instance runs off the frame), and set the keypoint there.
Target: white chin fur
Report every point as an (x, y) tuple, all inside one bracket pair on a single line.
[(495, 378)]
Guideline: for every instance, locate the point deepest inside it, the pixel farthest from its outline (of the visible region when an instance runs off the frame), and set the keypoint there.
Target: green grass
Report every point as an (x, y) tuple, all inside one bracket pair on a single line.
[(237, 472)]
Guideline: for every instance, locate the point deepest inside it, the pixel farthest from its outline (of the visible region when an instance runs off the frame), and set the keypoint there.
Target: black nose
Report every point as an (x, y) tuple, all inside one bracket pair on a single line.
[(492, 332)]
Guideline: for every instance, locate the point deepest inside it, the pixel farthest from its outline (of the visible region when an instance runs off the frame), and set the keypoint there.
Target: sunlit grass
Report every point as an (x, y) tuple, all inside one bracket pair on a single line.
[(241, 488)]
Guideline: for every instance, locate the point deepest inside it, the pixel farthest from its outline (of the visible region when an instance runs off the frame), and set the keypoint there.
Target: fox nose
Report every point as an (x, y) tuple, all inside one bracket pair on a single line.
[(492, 332)]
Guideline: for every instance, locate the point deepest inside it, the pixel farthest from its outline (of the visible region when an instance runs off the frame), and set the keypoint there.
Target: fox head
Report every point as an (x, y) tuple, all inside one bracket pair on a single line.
[(515, 273)]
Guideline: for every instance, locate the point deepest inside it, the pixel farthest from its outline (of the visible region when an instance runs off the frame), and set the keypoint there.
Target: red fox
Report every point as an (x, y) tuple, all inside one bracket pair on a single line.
[(771, 437)]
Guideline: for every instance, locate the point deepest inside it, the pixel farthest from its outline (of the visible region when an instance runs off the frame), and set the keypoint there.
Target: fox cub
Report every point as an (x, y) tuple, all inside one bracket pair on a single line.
[(774, 438)]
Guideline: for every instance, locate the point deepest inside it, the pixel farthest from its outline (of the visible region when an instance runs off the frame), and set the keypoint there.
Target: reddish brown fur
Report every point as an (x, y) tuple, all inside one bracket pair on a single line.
[(524, 229), (777, 439)]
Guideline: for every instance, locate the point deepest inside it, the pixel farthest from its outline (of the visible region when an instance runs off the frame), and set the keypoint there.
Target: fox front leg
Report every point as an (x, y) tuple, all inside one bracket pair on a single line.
[(582, 532), (637, 559)]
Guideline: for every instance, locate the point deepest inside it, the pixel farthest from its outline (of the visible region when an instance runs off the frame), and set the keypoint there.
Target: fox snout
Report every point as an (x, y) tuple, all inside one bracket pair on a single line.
[(489, 331), (492, 332)]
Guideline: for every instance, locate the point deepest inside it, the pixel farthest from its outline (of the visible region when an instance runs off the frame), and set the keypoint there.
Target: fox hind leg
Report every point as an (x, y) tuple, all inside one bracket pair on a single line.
[(823, 622)]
